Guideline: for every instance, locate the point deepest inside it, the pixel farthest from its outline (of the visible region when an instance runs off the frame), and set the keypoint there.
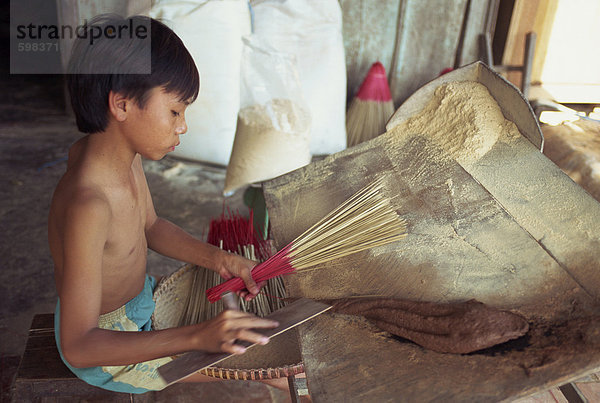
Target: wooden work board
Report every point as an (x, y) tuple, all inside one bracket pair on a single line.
[(462, 243)]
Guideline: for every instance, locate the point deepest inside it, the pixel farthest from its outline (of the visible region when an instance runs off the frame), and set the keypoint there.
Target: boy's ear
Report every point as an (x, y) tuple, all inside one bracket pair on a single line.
[(118, 105)]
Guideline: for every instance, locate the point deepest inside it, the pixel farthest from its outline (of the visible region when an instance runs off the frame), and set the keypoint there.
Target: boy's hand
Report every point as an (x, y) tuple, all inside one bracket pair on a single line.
[(231, 265), (220, 333)]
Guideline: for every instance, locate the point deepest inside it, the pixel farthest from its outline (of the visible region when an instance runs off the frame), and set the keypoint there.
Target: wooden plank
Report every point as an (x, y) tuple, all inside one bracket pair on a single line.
[(42, 376), (371, 366), (288, 317), (369, 30), (562, 220), (522, 21), (556, 211), (473, 27), (461, 244), (43, 362), (544, 19), (64, 390), (428, 37), (41, 340), (42, 321)]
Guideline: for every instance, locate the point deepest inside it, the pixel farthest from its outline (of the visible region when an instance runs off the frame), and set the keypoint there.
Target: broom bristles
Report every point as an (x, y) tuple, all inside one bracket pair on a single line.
[(236, 234), (366, 120), (364, 221), (371, 108)]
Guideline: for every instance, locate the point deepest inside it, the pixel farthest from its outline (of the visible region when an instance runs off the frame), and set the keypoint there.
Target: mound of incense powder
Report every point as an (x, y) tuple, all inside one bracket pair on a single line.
[(463, 119), (270, 140)]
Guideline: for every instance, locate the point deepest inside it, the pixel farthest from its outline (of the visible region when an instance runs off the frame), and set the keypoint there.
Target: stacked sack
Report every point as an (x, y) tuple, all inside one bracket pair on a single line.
[(212, 31), (308, 32)]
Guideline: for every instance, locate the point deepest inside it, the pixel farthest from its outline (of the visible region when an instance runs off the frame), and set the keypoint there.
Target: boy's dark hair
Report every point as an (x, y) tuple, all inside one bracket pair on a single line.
[(118, 59)]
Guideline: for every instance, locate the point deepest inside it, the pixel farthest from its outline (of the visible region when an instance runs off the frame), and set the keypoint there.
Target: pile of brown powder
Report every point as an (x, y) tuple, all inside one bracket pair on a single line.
[(463, 119), (270, 140)]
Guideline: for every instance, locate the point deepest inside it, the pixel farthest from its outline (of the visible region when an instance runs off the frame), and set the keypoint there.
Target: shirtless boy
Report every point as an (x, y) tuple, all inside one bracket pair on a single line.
[(102, 221)]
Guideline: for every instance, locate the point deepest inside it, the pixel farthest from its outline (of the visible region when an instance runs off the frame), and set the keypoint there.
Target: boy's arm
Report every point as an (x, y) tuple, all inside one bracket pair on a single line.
[(170, 240), (80, 290), (80, 284)]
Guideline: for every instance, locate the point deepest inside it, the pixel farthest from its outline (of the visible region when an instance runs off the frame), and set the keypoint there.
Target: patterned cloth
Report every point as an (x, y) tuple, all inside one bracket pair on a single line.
[(134, 316)]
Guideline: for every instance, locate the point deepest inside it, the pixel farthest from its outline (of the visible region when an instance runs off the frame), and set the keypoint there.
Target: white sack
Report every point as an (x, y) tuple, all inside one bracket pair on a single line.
[(212, 32), (274, 123), (312, 31)]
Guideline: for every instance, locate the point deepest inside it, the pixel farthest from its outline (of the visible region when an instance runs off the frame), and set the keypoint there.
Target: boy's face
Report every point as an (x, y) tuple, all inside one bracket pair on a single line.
[(154, 130)]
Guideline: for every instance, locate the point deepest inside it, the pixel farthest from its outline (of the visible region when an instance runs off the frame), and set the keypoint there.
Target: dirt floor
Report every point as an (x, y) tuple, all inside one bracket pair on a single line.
[(35, 133)]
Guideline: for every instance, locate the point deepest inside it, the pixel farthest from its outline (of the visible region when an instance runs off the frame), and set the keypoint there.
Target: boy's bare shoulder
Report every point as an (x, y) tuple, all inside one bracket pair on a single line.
[(77, 193), (76, 201), (88, 199)]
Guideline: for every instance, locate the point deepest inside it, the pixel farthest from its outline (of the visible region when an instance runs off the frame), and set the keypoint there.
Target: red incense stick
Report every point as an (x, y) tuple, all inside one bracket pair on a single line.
[(365, 220)]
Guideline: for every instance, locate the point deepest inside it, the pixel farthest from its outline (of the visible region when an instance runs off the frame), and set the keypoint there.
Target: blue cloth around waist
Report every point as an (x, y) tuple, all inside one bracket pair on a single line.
[(135, 315)]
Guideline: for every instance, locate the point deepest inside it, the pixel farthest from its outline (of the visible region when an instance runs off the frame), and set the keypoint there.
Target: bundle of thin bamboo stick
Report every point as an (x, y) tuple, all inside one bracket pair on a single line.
[(371, 108), (235, 234), (364, 221)]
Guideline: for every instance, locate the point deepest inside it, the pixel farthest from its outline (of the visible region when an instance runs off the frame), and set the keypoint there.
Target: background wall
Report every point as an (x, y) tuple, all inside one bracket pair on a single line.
[(414, 39)]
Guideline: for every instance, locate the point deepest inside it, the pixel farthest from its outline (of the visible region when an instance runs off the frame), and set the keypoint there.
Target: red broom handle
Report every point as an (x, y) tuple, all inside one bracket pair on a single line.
[(277, 265)]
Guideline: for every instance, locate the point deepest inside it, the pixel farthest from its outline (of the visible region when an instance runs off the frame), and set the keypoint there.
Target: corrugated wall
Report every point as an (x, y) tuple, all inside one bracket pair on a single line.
[(414, 39)]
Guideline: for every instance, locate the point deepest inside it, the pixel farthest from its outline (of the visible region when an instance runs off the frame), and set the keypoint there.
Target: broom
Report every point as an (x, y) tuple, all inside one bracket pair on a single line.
[(233, 233), (366, 220), (371, 108)]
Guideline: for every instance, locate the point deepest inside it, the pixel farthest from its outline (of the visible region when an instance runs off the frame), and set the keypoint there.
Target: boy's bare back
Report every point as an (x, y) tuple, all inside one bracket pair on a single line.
[(109, 207)]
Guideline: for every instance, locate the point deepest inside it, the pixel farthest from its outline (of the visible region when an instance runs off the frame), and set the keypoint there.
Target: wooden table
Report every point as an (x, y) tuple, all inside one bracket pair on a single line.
[(491, 233)]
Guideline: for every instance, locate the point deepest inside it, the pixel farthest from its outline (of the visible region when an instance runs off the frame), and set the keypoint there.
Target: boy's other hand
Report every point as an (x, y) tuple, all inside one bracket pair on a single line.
[(232, 265), (220, 333)]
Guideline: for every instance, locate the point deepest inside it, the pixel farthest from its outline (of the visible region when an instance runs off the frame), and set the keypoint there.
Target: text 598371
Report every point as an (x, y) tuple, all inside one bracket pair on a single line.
[(37, 47)]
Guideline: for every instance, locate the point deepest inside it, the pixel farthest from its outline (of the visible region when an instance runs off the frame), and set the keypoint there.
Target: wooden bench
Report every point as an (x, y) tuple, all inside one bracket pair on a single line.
[(42, 376)]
